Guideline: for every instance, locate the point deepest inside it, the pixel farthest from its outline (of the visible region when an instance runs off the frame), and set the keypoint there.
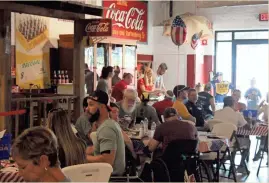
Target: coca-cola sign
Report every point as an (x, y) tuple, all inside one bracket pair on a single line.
[(97, 27), (129, 19)]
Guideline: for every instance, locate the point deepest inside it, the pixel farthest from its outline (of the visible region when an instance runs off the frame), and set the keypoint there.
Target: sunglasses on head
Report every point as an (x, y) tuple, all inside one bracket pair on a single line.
[(56, 110)]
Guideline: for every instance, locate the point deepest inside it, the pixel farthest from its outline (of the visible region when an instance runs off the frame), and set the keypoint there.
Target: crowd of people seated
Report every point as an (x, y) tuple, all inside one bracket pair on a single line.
[(99, 133)]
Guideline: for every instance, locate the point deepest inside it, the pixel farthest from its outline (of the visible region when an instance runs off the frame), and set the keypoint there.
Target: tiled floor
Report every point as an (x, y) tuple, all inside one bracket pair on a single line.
[(253, 167)]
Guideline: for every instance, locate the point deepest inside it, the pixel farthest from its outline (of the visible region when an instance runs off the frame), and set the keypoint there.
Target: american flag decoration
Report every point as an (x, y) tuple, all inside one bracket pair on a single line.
[(196, 39), (178, 31)]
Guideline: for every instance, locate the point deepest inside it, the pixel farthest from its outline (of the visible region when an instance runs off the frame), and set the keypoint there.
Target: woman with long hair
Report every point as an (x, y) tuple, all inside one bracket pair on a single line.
[(36, 154), (145, 83), (71, 148)]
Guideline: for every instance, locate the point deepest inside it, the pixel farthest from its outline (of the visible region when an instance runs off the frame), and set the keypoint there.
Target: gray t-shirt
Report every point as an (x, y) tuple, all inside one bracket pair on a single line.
[(148, 112), (102, 85), (159, 82), (83, 127), (109, 137)]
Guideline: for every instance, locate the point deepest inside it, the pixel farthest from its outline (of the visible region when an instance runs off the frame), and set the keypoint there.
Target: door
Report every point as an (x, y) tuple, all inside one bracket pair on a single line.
[(252, 62)]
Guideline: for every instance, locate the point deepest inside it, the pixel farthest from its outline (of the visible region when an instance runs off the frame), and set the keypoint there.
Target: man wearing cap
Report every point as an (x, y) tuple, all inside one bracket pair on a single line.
[(162, 105), (181, 93), (172, 129), (110, 147), (159, 84)]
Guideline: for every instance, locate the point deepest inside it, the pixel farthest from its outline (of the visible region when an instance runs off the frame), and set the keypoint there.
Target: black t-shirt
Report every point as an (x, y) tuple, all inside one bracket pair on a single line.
[(204, 102), (196, 112)]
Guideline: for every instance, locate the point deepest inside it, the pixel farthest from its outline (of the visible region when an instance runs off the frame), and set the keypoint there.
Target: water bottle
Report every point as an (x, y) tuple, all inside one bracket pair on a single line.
[(153, 128), (141, 129), (146, 126)]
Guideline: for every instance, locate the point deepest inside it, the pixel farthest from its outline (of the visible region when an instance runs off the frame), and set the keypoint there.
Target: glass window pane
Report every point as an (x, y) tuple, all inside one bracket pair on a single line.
[(251, 35), (89, 57), (100, 58), (116, 61), (224, 60), (130, 57), (224, 36)]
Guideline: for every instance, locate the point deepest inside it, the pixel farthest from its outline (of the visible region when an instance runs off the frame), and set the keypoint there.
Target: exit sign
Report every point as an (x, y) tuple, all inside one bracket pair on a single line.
[(263, 16)]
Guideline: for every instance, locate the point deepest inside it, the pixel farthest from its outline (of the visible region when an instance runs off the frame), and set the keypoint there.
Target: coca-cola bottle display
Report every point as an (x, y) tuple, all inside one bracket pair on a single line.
[(59, 77), (55, 77), (63, 77), (66, 77)]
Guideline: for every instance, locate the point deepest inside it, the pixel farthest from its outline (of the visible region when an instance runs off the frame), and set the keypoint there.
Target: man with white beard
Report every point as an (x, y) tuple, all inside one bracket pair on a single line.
[(127, 111)]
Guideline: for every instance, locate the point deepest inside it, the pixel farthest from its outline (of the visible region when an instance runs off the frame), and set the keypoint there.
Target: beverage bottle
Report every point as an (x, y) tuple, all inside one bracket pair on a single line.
[(153, 128), (146, 125), (55, 78), (141, 130), (59, 77), (66, 77)]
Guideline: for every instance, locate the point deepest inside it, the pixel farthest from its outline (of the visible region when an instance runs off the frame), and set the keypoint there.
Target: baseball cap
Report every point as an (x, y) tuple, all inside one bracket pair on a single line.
[(169, 112), (177, 89), (100, 97)]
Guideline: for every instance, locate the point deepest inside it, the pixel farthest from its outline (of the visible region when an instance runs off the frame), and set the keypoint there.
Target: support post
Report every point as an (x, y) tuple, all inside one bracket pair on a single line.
[(79, 68), (5, 68)]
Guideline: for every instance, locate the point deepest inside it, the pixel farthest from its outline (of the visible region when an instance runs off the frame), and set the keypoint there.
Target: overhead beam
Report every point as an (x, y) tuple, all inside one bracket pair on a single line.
[(5, 68), (35, 10)]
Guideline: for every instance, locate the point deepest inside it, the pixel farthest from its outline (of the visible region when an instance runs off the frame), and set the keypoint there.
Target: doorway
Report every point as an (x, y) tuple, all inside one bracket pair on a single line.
[(252, 62), (242, 55)]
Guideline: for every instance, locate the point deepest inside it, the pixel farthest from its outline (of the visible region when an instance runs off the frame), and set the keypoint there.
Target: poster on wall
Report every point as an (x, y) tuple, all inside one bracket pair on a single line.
[(129, 19), (32, 52)]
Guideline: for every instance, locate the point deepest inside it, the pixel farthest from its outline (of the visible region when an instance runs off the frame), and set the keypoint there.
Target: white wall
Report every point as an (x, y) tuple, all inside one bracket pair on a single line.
[(223, 18)]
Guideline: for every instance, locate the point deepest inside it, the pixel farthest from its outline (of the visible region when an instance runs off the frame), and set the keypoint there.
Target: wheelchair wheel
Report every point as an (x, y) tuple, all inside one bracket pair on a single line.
[(204, 172)]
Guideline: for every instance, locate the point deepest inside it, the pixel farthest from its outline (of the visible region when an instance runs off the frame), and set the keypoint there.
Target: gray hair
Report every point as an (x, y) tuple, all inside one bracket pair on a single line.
[(130, 93), (35, 142)]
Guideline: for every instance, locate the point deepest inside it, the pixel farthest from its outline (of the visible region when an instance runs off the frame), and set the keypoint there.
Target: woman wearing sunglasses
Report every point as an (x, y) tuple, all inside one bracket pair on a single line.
[(36, 153), (71, 147)]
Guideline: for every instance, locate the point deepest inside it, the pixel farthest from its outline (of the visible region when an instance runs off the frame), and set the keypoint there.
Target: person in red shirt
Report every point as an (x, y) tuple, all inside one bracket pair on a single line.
[(145, 83), (162, 105), (118, 89)]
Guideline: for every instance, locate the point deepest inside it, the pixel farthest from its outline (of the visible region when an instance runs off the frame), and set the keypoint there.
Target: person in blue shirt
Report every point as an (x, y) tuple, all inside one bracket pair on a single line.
[(221, 88), (253, 96)]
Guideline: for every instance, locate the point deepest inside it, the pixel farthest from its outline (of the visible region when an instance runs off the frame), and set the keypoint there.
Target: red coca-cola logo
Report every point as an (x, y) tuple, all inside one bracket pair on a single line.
[(97, 27), (130, 19)]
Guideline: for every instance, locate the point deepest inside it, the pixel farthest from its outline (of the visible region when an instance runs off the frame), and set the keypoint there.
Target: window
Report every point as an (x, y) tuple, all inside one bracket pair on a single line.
[(224, 59), (224, 36), (251, 35)]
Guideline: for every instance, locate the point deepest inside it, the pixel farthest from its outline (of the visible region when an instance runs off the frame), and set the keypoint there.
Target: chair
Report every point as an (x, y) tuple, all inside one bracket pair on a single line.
[(90, 172), (185, 153), (213, 122), (227, 130), (264, 149)]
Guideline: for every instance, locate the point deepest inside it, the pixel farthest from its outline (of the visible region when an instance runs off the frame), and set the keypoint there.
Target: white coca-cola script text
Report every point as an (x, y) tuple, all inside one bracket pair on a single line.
[(128, 19), (101, 27)]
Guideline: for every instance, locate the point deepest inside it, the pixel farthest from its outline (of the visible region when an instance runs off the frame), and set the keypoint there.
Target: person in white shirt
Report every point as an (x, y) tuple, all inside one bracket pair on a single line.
[(229, 115), (159, 84)]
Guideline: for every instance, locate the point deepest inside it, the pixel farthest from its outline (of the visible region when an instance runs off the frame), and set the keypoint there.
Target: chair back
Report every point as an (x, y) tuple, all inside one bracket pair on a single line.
[(93, 137), (224, 129), (185, 154), (213, 122), (90, 172)]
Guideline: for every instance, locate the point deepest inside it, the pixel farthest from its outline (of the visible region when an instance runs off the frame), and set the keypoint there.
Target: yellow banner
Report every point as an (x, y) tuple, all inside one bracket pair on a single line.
[(32, 52), (32, 70), (222, 88)]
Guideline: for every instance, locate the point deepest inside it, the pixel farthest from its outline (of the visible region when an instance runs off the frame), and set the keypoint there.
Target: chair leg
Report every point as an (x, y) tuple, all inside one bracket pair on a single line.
[(256, 148), (258, 171), (232, 167)]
